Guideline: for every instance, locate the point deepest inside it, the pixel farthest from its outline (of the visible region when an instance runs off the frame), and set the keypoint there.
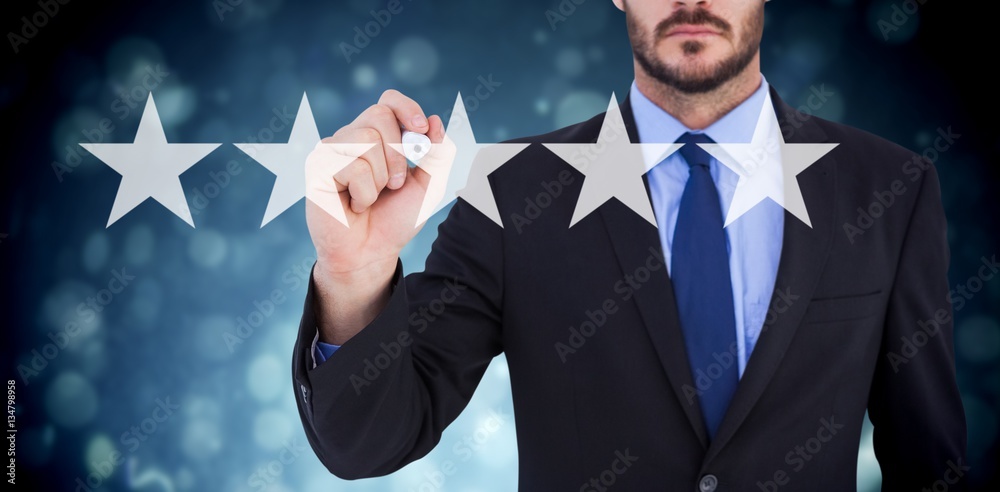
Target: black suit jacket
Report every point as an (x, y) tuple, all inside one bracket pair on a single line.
[(587, 320)]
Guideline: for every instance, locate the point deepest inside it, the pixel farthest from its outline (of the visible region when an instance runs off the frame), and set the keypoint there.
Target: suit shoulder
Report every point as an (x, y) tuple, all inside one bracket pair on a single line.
[(575, 133), (868, 150), (536, 162)]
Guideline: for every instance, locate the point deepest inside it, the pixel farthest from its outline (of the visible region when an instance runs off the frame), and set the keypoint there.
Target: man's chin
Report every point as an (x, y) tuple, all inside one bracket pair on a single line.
[(694, 76), (692, 80), (702, 48)]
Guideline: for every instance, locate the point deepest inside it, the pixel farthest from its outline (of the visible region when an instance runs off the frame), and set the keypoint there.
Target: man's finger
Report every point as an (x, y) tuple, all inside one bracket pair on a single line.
[(382, 119), (407, 111), (373, 157), (360, 184), (327, 159)]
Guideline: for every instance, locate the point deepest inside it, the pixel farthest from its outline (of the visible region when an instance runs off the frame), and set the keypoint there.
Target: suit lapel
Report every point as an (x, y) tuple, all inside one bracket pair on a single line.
[(634, 241), (803, 253)]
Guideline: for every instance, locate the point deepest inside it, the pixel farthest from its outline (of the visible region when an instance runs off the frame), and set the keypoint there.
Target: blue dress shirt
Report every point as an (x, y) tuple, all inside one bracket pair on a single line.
[(753, 240), (323, 351)]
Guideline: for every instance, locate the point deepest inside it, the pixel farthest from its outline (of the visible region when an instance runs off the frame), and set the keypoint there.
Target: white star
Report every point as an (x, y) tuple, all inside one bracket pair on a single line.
[(467, 175), (768, 167), (322, 164), (613, 167), (287, 161), (150, 167)]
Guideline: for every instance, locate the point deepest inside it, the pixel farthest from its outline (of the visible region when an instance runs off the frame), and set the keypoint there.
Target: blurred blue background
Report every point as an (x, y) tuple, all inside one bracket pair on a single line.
[(146, 393)]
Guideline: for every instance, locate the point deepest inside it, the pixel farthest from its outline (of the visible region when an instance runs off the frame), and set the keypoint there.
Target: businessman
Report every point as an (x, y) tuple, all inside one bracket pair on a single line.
[(685, 356)]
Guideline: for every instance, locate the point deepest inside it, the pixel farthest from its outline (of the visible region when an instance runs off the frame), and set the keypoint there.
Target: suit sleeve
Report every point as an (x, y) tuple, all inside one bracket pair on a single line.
[(384, 398), (915, 405)]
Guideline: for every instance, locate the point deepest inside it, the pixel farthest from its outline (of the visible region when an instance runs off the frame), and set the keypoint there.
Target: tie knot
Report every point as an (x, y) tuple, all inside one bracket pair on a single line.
[(691, 152)]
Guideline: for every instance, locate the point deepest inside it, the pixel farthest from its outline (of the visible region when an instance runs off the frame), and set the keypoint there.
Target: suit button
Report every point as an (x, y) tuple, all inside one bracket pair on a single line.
[(708, 483)]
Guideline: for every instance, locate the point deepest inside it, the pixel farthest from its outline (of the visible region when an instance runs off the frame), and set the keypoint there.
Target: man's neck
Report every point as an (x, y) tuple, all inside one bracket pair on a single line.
[(699, 111)]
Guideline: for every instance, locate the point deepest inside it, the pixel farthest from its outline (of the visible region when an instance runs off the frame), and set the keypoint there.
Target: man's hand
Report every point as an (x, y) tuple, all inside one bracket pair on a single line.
[(381, 197)]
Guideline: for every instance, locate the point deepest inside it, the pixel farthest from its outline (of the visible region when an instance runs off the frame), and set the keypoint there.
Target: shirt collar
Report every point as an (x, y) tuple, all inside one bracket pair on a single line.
[(654, 125)]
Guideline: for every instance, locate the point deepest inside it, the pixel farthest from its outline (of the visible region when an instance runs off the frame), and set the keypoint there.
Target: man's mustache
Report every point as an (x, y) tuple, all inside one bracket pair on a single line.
[(694, 17)]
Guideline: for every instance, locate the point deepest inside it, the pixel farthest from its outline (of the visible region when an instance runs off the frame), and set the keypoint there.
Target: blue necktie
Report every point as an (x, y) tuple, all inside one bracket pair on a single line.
[(703, 287)]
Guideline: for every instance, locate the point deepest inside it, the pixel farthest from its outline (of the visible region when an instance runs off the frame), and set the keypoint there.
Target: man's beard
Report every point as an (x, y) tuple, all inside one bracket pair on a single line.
[(703, 79)]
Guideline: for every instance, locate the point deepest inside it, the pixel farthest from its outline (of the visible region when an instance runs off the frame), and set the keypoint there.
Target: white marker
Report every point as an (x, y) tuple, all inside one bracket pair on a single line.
[(415, 145)]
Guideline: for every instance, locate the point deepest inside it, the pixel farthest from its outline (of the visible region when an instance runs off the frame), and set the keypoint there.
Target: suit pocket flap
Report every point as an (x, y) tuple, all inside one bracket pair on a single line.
[(843, 308)]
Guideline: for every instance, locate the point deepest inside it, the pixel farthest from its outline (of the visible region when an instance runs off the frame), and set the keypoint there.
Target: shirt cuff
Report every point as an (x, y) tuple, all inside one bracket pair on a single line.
[(321, 351)]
